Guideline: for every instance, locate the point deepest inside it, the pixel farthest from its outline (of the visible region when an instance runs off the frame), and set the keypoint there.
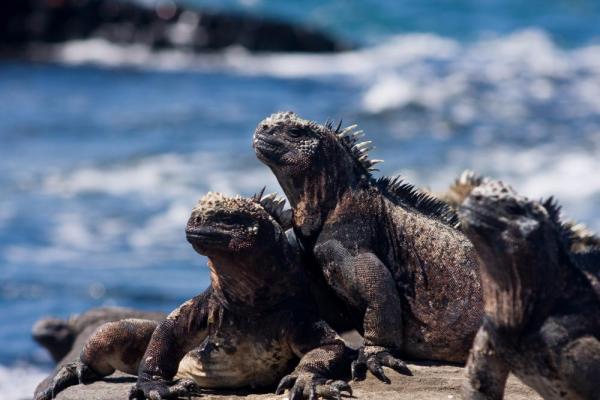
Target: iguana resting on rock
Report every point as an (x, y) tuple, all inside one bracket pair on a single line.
[(389, 251), (64, 339), (542, 314), (60, 336), (249, 328)]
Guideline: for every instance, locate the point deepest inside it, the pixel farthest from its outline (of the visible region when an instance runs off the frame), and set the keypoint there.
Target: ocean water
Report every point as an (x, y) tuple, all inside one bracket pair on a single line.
[(104, 152)]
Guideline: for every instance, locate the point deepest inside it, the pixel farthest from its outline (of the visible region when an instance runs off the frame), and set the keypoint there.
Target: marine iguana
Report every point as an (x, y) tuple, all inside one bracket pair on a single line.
[(391, 252), (64, 339), (60, 336), (249, 328), (541, 313)]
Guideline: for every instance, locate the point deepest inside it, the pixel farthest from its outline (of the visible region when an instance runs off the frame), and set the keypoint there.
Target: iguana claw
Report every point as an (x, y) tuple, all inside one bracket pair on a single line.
[(68, 375), (374, 358), (160, 390), (312, 387)]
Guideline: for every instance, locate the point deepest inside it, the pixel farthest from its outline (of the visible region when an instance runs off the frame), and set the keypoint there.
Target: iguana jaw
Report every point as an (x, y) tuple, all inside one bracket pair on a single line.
[(205, 238), (268, 150)]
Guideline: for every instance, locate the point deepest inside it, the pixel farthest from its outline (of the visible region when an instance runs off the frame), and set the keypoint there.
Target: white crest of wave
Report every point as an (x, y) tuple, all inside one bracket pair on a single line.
[(169, 183), (539, 172), (19, 382), (421, 69)]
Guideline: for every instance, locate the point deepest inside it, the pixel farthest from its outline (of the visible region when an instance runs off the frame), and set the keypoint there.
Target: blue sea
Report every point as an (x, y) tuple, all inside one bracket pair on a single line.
[(105, 150)]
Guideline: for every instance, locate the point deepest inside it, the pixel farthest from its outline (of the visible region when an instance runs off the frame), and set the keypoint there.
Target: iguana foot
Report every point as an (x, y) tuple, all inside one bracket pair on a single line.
[(160, 389), (374, 358), (311, 386), (68, 375)]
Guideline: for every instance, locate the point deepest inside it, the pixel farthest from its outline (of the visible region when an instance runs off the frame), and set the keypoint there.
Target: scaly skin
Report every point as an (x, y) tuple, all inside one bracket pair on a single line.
[(390, 252), (248, 329), (60, 336), (541, 312)]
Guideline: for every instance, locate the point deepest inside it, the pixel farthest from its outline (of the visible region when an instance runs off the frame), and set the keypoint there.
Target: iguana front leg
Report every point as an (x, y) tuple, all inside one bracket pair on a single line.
[(486, 372), (117, 345), (364, 279), (324, 358), (183, 330)]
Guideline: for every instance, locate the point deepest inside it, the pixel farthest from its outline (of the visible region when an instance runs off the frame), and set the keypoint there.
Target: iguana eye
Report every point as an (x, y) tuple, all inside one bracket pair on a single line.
[(295, 132)]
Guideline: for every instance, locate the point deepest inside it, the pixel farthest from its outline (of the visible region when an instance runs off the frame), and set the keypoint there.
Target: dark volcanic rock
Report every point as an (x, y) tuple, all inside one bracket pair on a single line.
[(24, 23)]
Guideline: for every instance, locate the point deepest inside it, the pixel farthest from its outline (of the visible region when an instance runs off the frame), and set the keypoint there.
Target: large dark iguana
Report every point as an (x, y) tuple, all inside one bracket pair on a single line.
[(542, 313), (248, 329), (390, 251)]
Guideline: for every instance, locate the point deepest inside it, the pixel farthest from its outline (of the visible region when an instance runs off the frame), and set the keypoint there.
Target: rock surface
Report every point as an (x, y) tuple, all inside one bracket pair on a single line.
[(29, 27), (439, 382)]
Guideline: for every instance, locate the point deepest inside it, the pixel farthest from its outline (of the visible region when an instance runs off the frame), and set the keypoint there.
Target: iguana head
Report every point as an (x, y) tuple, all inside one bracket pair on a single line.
[(250, 259), (313, 163), (293, 146), (520, 246), (232, 225), (54, 334), (495, 215)]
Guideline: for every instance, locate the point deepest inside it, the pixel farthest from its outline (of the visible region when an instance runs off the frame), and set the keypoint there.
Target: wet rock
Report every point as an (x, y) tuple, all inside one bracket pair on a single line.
[(27, 25)]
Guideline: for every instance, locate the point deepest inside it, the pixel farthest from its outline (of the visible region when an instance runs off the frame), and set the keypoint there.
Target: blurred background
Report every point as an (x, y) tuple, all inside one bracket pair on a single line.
[(105, 144)]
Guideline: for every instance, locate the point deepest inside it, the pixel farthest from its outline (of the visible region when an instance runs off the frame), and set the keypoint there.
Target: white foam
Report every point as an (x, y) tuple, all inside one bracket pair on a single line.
[(422, 69), (19, 382), (551, 170), (167, 183)]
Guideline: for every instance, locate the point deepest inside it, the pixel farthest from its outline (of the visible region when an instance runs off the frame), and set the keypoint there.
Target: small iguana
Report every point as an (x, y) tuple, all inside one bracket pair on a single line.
[(542, 314), (391, 252), (64, 339), (248, 329), (60, 336)]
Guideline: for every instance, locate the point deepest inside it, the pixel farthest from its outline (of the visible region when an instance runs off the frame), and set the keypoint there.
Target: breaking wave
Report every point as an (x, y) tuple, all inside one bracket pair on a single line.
[(418, 69), (19, 382)]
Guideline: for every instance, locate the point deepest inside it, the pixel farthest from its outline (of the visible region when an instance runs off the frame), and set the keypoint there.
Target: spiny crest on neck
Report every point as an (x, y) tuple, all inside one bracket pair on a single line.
[(401, 192), (274, 206), (567, 234), (575, 235), (349, 138), (582, 245), (409, 196)]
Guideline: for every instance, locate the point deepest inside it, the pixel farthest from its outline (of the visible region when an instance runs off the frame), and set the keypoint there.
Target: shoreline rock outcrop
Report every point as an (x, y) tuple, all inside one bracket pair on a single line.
[(28, 25)]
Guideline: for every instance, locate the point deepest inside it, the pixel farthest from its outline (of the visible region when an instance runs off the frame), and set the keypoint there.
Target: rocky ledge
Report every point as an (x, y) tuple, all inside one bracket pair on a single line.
[(28, 27), (430, 381)]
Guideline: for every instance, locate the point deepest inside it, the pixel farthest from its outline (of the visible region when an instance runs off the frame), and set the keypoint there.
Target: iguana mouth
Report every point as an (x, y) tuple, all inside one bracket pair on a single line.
[(206, 236), (268, 149)]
